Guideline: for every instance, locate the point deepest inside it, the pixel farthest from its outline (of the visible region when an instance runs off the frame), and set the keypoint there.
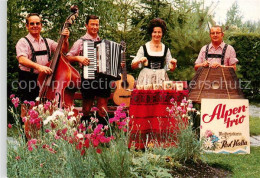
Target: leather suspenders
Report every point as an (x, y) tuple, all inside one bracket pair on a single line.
[(222, 56), (39, 53)]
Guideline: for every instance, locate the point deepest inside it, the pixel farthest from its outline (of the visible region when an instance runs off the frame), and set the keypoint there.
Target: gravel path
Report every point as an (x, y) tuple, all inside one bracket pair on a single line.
[(254, 111)]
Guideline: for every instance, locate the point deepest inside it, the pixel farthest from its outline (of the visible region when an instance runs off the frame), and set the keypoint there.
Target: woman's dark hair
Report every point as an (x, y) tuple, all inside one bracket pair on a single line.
[(91, 17), (157, 22)]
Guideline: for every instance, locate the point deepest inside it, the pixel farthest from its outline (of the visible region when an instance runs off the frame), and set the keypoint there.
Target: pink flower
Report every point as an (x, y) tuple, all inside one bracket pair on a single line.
[(24, 119), (190, 105), (30, 148), (12, 96), (47, 105), (17, 157), (26, 102), (172, 100), (9, 126), (32, 103), (47, 130), (122, 104), (94, 109), (57, 137), (184, 100), (32, 142), (208, 133), (15, 102)]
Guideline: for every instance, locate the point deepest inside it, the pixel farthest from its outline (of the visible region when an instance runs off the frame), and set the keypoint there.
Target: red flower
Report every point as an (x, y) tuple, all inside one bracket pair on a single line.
[(79, 146), (53, 126), (82, 152), (99, 151), (9, 126), (86, 143)]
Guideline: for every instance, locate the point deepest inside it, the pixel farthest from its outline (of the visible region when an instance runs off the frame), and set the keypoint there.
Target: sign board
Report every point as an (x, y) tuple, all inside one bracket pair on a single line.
[(225, 125)]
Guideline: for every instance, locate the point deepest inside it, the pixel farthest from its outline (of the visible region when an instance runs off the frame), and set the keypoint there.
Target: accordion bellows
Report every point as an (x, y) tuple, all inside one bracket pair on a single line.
[(218, 83)]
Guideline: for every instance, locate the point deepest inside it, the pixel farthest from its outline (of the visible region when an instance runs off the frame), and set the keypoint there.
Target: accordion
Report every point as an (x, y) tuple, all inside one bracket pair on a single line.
[(105, 58)]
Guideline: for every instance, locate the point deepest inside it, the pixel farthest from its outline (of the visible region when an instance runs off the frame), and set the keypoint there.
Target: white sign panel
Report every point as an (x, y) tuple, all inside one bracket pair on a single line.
[(225, 125)]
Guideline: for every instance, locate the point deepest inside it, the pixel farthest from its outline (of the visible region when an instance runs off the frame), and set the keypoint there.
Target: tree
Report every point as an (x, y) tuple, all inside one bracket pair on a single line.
[(233, 16)]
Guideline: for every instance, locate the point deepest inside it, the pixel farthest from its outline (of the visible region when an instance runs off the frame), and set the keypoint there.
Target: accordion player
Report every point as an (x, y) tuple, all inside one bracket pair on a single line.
[(105, 59)]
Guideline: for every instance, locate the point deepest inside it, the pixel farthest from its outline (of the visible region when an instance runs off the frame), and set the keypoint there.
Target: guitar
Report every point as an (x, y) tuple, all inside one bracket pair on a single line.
[(124, 86)]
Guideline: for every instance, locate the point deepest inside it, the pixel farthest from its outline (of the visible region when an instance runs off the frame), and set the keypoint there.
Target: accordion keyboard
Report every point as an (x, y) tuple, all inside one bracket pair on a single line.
[(89, 52)]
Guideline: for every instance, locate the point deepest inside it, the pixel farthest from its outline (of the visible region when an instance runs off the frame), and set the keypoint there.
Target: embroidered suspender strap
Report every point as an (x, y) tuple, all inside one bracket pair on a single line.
[(223, 54), (48, 49), (207, 51), (33, 52)]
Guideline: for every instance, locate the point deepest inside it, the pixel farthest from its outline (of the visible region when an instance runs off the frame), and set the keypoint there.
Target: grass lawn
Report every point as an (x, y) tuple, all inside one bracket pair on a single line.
[(254, 125), (239, 165)]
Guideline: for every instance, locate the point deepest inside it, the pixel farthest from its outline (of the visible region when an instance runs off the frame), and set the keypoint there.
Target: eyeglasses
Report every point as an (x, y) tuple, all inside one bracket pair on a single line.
[(36, 23), (217, 33)]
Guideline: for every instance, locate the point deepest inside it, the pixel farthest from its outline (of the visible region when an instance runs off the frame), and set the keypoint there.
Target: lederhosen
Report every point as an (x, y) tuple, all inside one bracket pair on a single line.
[(28, 88), (222, 56), (155, 62), (100, 86)]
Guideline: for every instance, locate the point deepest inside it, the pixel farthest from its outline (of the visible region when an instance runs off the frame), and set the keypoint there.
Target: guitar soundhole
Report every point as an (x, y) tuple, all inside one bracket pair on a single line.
[(124, 84)]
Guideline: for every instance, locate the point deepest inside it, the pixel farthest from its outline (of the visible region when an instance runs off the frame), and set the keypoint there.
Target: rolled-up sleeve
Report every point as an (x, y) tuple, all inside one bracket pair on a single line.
[(22, 48), (232, 53), (76, 48)]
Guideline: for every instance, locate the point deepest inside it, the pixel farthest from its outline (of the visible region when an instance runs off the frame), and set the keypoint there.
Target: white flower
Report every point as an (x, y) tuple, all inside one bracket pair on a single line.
[(58, 113), (48, 119), (193, 109), (80, 135), (208, 144), (71, 113), (37, 99), (40, 106), (188, 109), (45, 122), (71, 120), (34, 108), (182, 104), (198, 113)]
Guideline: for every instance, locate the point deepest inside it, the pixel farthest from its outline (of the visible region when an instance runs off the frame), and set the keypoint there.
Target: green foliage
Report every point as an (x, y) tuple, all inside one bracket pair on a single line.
[(247, 47)]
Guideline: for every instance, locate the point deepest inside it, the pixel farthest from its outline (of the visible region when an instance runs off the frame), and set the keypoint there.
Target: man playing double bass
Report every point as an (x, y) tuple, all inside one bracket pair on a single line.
[(33, 53)]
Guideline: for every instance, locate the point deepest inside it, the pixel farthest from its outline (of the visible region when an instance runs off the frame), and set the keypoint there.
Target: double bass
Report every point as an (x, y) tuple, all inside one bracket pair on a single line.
[(65, 79)]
